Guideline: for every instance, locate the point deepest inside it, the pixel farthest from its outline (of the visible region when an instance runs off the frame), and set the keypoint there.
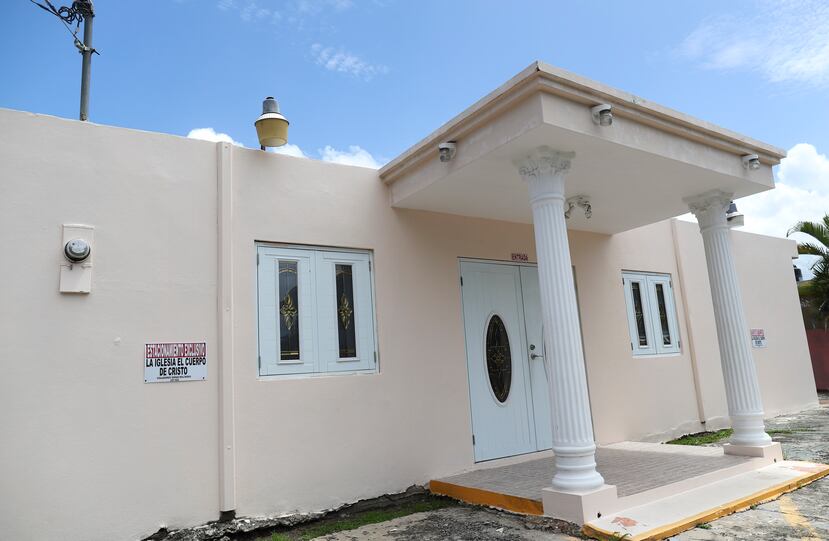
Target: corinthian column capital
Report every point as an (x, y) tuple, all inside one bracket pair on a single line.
[(544, 170), (710, 208), (544, 161)]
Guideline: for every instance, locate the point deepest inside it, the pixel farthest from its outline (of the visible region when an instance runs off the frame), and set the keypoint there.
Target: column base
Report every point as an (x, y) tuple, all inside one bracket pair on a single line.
[(772, 451), (580, 506)]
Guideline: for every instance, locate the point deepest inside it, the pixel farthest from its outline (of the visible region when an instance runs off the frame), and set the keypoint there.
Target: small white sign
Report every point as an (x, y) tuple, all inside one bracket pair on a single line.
[(758, 338), (176, 361)]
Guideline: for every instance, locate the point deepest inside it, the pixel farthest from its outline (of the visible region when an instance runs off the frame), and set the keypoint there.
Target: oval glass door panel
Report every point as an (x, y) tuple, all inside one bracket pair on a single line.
[(498, 358)]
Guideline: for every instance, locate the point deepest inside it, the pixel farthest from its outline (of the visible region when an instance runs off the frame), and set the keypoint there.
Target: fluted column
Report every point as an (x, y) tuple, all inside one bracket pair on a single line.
[(573, 444), (742, 388)]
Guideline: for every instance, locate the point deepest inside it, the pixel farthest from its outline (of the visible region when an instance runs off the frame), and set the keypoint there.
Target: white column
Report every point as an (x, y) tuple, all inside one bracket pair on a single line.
[(741, 386), (573, 444)]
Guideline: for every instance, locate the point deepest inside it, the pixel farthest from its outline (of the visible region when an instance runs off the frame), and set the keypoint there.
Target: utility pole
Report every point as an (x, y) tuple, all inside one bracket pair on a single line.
[(81, 11), (86, 52)]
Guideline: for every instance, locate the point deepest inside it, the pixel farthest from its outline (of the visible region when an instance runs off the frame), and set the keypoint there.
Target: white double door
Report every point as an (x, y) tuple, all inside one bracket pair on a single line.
[(508, 375)]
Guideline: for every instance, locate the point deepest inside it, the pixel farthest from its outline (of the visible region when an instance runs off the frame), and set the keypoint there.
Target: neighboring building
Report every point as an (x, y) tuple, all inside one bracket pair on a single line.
[(365, 330)]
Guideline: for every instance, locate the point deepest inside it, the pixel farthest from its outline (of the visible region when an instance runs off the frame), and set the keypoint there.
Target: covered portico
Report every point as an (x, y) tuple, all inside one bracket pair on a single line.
[(562, 152)]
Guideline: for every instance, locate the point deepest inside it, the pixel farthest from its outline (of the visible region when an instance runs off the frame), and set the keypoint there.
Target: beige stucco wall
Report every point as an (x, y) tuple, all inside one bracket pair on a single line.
[(764, 267), (94, 453), (632, 397), (89, 451)]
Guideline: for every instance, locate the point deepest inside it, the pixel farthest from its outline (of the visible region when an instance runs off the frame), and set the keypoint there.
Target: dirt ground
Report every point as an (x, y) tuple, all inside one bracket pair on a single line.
[(803, 514), (464, 523)]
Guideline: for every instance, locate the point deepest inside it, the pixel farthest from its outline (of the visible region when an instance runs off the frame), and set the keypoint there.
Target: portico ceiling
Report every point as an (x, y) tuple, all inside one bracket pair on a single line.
[(635, 172)]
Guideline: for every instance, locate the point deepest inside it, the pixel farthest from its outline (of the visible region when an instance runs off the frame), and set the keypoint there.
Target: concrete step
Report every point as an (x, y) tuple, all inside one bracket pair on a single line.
[(670, 515)]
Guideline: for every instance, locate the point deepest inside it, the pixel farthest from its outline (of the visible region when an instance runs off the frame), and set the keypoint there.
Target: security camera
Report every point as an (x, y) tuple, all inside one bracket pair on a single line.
[(602, 114), (751, 161), (447, 150), (77, 250)]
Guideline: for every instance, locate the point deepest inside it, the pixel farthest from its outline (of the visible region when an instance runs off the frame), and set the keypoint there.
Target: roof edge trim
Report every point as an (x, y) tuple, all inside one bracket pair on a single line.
[(542, 77)]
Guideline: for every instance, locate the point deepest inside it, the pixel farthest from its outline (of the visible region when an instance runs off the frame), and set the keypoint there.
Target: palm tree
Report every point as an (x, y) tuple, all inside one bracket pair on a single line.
[(814, 294)]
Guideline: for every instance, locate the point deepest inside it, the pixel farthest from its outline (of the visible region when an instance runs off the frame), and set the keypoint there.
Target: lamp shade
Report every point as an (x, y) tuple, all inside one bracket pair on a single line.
[(271, 126)]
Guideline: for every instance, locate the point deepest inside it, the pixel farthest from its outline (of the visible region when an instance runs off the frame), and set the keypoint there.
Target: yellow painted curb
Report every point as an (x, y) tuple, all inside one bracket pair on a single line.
[(712, 514), (515, 504)]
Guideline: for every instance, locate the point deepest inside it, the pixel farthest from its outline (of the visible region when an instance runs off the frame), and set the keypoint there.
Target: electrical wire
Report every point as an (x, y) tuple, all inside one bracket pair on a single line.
[(77, 12)]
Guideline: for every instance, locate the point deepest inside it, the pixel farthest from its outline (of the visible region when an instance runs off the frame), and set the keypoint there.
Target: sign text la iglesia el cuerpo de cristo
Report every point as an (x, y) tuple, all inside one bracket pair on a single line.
[(175, 361)]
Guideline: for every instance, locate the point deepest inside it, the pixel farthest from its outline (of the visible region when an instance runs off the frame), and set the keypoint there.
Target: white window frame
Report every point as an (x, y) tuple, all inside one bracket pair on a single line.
[(648, 283), (317, 306)]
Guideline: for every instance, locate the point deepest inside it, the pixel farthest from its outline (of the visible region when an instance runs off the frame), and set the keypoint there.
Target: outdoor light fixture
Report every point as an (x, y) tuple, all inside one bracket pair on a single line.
[(751, 161), (602, 114), (734, 217), (447, 151), (271, 126), (580, 201)]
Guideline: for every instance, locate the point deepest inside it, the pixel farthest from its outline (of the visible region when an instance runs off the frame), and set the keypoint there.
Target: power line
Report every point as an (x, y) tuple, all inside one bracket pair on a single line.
[(81, 11)]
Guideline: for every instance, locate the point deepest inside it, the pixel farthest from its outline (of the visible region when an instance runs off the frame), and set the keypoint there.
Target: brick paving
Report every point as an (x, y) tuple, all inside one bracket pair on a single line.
[(631, 470)]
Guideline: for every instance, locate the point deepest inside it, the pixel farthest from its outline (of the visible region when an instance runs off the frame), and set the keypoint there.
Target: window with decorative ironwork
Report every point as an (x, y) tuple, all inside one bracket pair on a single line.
[(498, 358), (652, 319), (316, 311)]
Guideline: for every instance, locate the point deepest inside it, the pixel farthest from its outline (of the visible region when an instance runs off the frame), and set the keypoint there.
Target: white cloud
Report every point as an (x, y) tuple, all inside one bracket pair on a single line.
[(312, 7), (353, 156), (801, 193), (805, 263), (783, 40), (294, 12), (342, 61), (209, 134), (289, 150)]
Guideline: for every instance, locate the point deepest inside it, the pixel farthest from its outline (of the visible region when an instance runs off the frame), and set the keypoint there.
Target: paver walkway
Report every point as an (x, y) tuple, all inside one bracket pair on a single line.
[(803, 514), (632, 469)]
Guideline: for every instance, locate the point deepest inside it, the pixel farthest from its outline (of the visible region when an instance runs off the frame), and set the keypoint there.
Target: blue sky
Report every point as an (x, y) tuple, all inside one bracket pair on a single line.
[(361, 80)]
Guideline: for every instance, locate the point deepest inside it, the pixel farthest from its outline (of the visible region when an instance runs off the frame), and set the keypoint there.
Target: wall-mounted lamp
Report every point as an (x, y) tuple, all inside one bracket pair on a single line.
[(580, 201), (751, 161), (734, 217), (447, 151), (602, 114), (271, 126)]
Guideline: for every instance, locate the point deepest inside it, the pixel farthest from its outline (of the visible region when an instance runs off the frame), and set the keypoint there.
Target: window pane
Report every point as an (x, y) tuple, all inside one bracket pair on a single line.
[(345, 311), (288, 311), (639, 314), (498, 358), (663, 315)]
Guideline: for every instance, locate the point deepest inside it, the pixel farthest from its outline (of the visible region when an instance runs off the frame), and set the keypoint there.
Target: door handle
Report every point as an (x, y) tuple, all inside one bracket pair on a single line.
[(534, 356)]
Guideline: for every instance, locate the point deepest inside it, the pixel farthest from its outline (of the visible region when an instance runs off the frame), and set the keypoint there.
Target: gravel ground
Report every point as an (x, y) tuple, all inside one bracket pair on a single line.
[(803, 514)]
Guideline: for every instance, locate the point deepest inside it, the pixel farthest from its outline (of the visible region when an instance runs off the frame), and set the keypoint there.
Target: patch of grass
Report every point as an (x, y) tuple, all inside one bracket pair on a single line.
[(703, 438), (704, 526), (357, 520)]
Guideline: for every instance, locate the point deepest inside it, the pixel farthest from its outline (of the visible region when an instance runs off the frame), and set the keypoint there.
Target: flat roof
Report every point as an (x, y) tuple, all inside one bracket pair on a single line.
[(543, 77)]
